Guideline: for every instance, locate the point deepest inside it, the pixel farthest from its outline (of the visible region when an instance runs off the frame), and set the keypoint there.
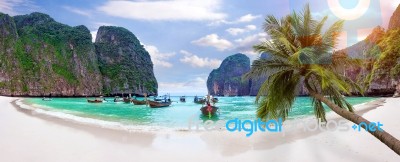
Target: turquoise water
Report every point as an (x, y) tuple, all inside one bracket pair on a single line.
[(175, 116)]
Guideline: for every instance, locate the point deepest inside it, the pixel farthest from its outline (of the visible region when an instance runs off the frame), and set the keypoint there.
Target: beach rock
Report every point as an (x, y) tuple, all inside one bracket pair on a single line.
[(125, 64), (395, 19), (227, 79)]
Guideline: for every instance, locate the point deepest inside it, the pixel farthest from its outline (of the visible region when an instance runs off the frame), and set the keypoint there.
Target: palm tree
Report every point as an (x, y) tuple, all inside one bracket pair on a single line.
[(301, 55)]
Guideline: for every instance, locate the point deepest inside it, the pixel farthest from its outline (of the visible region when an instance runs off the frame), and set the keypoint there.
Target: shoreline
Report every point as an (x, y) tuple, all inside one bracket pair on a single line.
[(36, 135), (115, 125)]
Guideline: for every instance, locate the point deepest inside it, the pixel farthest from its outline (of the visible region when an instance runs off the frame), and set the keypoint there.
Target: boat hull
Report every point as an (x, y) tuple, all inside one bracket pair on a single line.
[(138, 102), (206, 112), (127, 100), (94, 101), (154, 104)]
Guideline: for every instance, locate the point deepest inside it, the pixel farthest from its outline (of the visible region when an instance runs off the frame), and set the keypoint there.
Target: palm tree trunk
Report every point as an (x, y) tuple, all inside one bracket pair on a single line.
[(383, 136)]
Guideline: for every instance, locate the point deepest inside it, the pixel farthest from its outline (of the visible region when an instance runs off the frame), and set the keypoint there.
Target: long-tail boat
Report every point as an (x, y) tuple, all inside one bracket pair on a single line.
[(199, 100), (182, 99), (209, 110), (155, 104), (215, 100), (96, 100), (127, 100), (138, 102)]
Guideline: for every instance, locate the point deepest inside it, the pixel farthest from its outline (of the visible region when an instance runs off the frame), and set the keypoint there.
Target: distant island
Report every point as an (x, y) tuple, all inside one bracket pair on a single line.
[(42, 57)]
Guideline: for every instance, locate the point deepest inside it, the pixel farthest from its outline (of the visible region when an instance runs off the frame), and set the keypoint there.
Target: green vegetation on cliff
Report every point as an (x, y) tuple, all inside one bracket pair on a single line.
[(39, 56), (387, 65), (124, 63), (227, 79)]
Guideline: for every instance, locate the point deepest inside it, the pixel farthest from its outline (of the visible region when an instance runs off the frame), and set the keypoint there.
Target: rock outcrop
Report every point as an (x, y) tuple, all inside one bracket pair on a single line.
[(395, 19), (370, 50), (41, 57), (124, 63), (394, 23), (227, 79), (361, 49)]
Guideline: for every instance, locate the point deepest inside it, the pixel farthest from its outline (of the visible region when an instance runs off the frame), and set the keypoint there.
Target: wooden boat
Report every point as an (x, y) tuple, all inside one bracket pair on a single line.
[(95, 100), (127, 100), (154, 104), (182, 99), (215, 100), (138, 102), (209, 110), (199, 100)]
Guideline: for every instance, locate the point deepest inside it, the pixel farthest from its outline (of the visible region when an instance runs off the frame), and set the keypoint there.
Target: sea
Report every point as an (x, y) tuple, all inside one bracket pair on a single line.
[(131, 117)]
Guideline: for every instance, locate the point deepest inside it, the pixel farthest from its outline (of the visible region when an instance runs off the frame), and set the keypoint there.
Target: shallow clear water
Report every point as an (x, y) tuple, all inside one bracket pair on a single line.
[(175, 116)]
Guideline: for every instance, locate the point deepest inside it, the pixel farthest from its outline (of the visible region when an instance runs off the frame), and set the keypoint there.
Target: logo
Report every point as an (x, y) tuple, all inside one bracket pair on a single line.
[(250, 126), (277, 126)]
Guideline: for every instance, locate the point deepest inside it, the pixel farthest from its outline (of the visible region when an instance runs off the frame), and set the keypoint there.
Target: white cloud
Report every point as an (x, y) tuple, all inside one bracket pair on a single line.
[(193, 10), (159, 59), (245, 45), (9, 6), (196, 61), (195, 86), (213, 40), (94, 34), (78, 11), (237, 31), (242, 19), (247, 18), (251, 27)]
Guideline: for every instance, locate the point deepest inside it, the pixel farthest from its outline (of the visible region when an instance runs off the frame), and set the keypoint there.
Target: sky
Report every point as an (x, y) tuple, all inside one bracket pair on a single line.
[(188, 38)]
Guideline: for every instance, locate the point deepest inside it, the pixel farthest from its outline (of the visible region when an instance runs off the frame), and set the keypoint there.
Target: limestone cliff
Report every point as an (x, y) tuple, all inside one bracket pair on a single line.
[(41, 57), (227, 79), (124, 63)]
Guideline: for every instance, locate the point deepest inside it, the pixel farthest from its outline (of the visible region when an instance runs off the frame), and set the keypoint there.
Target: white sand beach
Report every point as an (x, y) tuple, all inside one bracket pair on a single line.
[(27, 136)]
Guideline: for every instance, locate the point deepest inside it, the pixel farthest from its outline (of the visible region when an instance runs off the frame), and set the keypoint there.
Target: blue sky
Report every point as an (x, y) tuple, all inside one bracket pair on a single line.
[(189, 38)]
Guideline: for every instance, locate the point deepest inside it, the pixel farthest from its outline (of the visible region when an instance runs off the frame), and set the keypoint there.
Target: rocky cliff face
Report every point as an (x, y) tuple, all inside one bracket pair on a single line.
[(381, 69), (46, 57), (39, 56), (227, 79), (362, 49), (395, 19), (394, 24), (369, 50), (124, 63)]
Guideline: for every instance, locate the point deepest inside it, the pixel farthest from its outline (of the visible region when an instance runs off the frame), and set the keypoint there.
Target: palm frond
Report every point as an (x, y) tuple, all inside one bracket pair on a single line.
[(282, 89)]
